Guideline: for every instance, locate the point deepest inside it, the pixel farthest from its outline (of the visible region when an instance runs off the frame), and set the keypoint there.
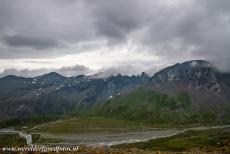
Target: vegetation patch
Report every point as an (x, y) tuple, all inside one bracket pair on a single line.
[(8, 140), (87, 125), (207, 140)]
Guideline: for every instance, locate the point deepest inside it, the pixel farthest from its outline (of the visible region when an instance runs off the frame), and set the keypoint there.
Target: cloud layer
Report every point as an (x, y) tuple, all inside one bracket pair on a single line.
[(65, 71), (171, 30)]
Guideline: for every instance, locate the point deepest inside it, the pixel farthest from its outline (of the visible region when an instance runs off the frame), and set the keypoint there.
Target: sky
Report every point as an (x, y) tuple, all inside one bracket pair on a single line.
[(75, 37)]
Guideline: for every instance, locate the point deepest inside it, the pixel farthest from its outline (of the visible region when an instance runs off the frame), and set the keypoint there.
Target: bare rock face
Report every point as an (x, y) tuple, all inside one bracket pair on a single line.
[(194, 74)]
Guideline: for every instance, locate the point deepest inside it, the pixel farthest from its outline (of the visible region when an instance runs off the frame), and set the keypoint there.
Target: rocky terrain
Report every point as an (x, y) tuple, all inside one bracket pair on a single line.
[(196, 85), (54, 94)]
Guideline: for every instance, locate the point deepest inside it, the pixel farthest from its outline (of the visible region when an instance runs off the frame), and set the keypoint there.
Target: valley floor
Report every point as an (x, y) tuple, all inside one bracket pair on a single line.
[(74, 131), (210, 140)]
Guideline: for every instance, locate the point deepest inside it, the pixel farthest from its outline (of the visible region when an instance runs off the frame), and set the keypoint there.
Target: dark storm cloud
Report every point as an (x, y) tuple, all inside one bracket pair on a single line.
[(189, 29), (197, 29), (115, 19), (42, 25), (28, 41), (175, 30)]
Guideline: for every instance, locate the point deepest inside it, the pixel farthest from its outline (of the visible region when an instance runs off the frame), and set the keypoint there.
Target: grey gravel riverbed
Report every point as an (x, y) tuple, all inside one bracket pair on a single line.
[(94, 139)]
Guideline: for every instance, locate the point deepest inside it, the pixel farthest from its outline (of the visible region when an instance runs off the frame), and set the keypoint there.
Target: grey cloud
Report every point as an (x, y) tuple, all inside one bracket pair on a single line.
[(114, 19), (81, 69), (189, 29), (75, 70), (65, 71), (23, 72), (43, 24), (133, 69), (37, 62), (28, 41), (193, 29)]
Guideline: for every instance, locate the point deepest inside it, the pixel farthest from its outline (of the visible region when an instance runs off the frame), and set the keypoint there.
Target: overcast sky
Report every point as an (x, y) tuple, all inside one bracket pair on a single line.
[(128, 36)]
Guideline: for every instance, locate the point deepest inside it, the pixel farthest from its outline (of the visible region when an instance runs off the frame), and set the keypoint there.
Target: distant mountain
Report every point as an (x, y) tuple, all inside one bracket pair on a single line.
[(208, 88), (55, 94), (193, 74), (191, 92)]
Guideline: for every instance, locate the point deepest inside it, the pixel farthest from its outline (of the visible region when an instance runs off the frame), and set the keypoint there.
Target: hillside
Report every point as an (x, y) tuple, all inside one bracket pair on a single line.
[(147, 105), (193, 92), (193, 141), (53, 94)]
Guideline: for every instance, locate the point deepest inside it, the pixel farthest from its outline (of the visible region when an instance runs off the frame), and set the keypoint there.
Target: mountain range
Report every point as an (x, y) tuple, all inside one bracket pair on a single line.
[(193, 91)]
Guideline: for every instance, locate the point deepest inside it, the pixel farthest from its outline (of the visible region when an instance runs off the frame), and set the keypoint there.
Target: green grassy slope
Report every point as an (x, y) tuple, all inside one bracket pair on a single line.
[(87, 125), (206, 140), (27, 122), (146, 105)]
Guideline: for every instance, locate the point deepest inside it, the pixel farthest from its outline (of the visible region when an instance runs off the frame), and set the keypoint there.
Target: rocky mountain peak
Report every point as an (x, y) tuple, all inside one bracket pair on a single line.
[(194, 74), (143, 74)]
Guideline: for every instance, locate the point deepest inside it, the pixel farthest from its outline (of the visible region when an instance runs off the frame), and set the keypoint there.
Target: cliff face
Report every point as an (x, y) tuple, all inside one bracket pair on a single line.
[(208, 88), (193, 74)]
